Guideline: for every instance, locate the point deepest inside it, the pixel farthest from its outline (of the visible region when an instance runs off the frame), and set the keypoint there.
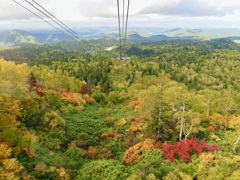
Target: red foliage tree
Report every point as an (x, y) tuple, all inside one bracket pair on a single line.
[(85, 89), (36, 87), (185, 149)]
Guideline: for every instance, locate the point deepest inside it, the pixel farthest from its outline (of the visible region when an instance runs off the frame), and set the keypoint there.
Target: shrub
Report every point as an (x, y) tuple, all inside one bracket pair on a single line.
[(114, 97), (100, 97), (185, 149), (80, 144), (110, 134), (133, 154), (130, 140), (89, 100), (85, 89), (104, 170), (98, 153), (69, 97)]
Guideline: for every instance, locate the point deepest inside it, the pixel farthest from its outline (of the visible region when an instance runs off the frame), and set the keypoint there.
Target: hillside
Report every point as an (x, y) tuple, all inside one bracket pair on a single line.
[(48, 53), (170, 112), (18, 37)]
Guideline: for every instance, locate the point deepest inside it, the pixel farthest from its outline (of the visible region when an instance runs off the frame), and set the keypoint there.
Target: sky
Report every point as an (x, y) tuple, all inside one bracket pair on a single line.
[(142, 13)]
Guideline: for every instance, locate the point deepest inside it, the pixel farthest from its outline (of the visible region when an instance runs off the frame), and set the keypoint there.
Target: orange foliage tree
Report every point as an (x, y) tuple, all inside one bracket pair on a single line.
[(133, 154), (136, 104), (219, 122), (98, 153), (89, 99), (111, 133), (78, 143), (69, 97), (139, 123)]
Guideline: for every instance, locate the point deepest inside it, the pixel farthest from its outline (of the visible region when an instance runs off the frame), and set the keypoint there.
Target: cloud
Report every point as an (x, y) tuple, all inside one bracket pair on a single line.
[(11, 11), (78, 12), (185, 8), (98, 8)]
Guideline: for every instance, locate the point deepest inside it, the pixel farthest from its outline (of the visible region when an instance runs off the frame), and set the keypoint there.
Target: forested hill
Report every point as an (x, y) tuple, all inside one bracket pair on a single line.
[(172, 111), (159, 47), (65, 49)]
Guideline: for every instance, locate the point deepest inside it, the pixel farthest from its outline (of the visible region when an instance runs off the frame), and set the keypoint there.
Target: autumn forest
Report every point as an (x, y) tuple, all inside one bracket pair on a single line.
[(172, 111)]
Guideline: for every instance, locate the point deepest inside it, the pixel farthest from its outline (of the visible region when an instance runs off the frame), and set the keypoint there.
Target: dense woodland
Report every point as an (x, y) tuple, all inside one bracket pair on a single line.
[(170, 112)]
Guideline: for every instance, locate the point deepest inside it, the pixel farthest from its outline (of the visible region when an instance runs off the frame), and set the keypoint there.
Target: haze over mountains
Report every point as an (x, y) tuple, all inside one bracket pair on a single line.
[(20, 37)]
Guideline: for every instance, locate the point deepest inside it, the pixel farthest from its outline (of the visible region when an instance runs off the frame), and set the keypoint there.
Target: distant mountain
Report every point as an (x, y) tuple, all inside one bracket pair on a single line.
[(172, 30), (203, 34), (18, 37), (135, 38)]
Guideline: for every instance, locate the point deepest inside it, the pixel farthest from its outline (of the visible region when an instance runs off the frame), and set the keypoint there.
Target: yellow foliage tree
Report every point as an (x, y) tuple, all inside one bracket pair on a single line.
[(10, 167), (13, 79)]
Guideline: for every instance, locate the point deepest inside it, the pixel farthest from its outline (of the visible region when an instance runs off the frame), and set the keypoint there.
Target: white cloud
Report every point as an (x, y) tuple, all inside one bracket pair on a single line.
[(98, 8), (186, 8), (11, 11), (80, 11)]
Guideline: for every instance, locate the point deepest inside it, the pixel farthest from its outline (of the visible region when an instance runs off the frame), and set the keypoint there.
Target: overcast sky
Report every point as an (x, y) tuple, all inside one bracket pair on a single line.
[(158, 13)]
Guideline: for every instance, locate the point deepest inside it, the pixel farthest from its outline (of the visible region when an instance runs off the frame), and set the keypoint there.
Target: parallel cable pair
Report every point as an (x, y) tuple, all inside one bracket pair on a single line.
[(123, 30), (55, 20)]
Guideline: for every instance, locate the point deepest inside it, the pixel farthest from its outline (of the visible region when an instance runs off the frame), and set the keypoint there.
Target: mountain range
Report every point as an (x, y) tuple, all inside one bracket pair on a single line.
[(20, 37)]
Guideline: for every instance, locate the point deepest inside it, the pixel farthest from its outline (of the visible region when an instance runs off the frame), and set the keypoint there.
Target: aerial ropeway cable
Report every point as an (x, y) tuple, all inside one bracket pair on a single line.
[(119, 29), (69, 32), (44, 20), (123, 29), (55, 21), (73, 32), (126, 23)]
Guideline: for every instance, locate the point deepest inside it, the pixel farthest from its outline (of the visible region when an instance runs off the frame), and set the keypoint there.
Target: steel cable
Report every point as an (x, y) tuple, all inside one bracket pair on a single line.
[(44, 20)]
